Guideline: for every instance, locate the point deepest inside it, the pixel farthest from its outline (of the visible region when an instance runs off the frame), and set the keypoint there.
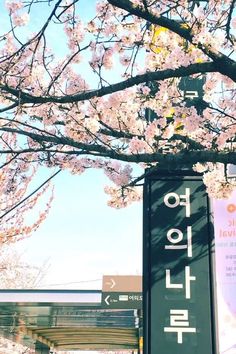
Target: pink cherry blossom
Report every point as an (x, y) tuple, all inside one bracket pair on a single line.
[(13, 5), (20, 19), (233, 23)]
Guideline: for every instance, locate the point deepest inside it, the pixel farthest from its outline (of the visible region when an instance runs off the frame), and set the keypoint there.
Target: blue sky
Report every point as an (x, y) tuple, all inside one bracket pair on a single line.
[(82, 238)]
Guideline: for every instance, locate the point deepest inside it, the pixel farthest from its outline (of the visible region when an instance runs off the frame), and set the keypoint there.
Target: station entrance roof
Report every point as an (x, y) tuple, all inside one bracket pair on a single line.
[(67, 320)]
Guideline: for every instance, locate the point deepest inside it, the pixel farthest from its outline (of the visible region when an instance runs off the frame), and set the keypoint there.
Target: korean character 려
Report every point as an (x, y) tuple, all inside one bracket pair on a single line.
[(188, 279), (172, 200), (174, 236), (179, 323)]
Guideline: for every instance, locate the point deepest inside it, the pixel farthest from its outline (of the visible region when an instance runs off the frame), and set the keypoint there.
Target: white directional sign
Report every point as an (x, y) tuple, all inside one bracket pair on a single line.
[(116, 300)]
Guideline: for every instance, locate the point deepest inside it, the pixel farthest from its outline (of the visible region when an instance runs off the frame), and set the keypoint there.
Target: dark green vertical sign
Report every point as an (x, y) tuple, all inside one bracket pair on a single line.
[(178, 289)]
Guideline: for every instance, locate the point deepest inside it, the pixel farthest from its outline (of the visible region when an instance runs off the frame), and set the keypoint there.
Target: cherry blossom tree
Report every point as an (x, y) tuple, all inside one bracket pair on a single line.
[(16, 274), (9, 347), (16, 200), (106, 91)]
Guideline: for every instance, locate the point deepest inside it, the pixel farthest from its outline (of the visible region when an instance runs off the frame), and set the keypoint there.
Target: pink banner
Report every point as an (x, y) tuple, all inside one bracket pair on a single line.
[(225, 240)]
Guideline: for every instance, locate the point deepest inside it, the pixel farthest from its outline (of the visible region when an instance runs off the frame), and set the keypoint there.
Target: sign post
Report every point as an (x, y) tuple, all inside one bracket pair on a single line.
[(122, 291), (177, 278)]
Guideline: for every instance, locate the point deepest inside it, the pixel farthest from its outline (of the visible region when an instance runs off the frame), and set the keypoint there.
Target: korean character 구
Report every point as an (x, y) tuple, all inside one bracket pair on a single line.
[(179, 323), (175, 236), (191, 94), (188, 279), (172, 200)]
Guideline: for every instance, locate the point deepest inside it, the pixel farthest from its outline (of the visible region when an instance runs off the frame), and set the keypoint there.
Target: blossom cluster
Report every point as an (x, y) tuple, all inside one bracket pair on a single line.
[(19, 17)]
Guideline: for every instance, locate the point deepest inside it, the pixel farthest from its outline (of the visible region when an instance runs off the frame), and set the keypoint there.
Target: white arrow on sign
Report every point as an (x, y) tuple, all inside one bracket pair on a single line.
[(112, 283), (106, 300)]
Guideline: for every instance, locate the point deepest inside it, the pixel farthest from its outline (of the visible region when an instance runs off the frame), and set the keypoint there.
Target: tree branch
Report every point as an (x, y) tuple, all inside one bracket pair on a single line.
[(185, 157), (229, 20), (136, 80)]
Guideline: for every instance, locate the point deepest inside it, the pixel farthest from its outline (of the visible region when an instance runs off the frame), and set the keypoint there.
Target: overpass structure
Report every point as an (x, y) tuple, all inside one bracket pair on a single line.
[(50, 320)]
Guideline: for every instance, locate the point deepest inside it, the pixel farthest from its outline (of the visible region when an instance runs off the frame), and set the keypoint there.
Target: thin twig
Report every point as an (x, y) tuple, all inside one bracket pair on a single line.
[(30, 195)]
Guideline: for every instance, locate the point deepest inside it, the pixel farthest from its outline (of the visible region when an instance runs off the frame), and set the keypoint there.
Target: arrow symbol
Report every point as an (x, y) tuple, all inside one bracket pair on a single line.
[(112, 283), (106, 300)]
